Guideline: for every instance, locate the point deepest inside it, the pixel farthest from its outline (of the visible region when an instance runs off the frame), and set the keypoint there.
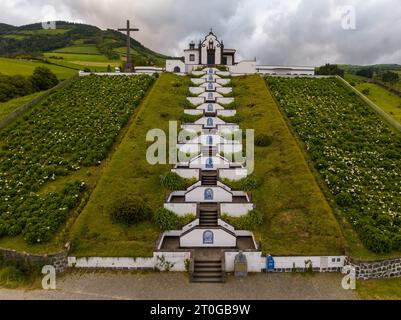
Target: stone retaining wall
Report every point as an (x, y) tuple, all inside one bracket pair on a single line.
[(58, 260), (365, 270)]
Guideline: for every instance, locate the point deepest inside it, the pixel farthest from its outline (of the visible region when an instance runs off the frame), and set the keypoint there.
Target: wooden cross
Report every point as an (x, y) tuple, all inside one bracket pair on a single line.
[(129, 66)]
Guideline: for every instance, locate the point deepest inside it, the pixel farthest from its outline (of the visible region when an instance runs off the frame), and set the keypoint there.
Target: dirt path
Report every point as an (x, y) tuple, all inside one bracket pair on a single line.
[(155, 286)]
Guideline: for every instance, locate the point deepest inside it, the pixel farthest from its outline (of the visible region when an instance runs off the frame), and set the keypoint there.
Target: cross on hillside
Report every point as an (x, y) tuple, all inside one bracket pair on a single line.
[(129, 66)]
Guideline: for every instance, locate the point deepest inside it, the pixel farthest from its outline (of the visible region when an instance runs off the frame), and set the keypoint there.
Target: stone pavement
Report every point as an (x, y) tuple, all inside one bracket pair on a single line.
[(156, 286)]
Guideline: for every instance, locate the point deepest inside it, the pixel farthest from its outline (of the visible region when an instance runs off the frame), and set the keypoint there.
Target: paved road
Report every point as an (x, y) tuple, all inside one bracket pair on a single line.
[(155, 286)]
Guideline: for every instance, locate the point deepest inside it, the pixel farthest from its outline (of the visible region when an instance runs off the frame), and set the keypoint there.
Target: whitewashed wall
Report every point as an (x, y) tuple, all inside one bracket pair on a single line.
[(116, 263), (233, 174), (196, 90), (182, 209), (223, 73), (214, 95), (196, 100), (282, 70), (225, 100), (176, 258), (224, 90), (171, 64), (194, 239), (219, 194), (194, 112), (230, 148), (187, 173), (223, 82), (205, 107), (187, 59), (236, 209), (216, 121), (200, 163), (197, 81), (243, 67), (226, 113), (317, 262)]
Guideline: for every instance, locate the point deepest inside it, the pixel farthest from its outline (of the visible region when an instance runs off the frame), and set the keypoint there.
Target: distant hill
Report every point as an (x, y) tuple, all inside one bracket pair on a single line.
[(348, 68), (32, 40)]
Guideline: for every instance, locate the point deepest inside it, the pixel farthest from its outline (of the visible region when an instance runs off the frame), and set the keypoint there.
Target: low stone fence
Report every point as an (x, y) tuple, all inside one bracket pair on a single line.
[(11, 116), (365, 270), (58, 260)]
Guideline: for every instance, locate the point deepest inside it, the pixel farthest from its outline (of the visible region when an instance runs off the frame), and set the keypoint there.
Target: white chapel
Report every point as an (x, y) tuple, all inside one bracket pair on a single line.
[(211, 52)]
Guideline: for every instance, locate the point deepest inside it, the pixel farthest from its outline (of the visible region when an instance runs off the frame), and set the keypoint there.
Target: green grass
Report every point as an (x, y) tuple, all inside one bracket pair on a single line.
[(79, 49), (43, 31), (14, 104), (389, 102), (80, 57), (384, 289), (26, 68), (297, 218), (128, 173)]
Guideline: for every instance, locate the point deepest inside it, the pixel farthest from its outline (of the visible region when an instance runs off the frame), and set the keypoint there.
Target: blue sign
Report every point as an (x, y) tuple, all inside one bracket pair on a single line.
[(269, 263)]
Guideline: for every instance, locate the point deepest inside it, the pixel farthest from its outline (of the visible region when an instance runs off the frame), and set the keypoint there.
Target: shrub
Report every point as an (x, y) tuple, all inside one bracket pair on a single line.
[(43, 79), (130, 211), (376, 239), (246, 184), (168, 220), (173, 181), (366, 91), (263, 140), (248, 222)]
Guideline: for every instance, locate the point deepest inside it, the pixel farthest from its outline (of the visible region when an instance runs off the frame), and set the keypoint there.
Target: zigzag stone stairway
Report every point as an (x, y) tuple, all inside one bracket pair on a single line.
[(208, 237)]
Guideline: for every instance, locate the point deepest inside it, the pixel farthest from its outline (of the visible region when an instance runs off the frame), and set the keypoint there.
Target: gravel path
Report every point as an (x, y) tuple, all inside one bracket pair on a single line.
[(155, 286)]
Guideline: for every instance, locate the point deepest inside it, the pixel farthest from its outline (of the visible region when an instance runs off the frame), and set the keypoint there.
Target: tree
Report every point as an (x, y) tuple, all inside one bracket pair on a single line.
[(43, 79), (365, 72), (390, 76), (330, 70)]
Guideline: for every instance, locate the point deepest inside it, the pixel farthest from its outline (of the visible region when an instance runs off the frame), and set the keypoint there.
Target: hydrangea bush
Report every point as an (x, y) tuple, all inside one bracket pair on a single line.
[(74, 127), (355, 151)]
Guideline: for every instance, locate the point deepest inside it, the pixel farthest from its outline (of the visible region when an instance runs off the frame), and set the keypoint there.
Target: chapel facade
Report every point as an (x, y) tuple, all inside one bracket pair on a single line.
[(209, 52)]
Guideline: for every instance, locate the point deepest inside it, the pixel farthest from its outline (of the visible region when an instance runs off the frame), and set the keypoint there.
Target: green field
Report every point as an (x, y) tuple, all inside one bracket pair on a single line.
[(26, 68), (334, 126), (80, 60), (79, 49), (128, 173), (297, 218), (387, 289), (14, 104), (389, 102)]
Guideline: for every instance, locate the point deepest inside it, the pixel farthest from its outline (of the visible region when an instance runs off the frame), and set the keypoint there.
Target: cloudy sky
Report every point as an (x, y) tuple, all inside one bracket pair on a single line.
[(292, 32)]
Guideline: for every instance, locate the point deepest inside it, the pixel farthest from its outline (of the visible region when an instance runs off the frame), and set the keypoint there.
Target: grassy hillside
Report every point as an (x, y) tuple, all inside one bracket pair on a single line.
[(26, 68), (128, 173), (297, 218), (388, 101), (356, 154), (76, 39), (11, 105)]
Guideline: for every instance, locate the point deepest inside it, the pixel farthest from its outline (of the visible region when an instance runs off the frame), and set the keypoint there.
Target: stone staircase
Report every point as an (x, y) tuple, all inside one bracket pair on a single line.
[(208, 270), (208, 215), (209, 178)]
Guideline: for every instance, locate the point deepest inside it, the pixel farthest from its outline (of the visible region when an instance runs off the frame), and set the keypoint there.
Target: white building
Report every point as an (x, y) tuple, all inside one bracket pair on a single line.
[(212, 52)]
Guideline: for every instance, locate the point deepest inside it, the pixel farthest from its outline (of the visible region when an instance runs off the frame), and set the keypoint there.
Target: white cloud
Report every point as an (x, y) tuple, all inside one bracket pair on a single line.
[(304, 32)]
